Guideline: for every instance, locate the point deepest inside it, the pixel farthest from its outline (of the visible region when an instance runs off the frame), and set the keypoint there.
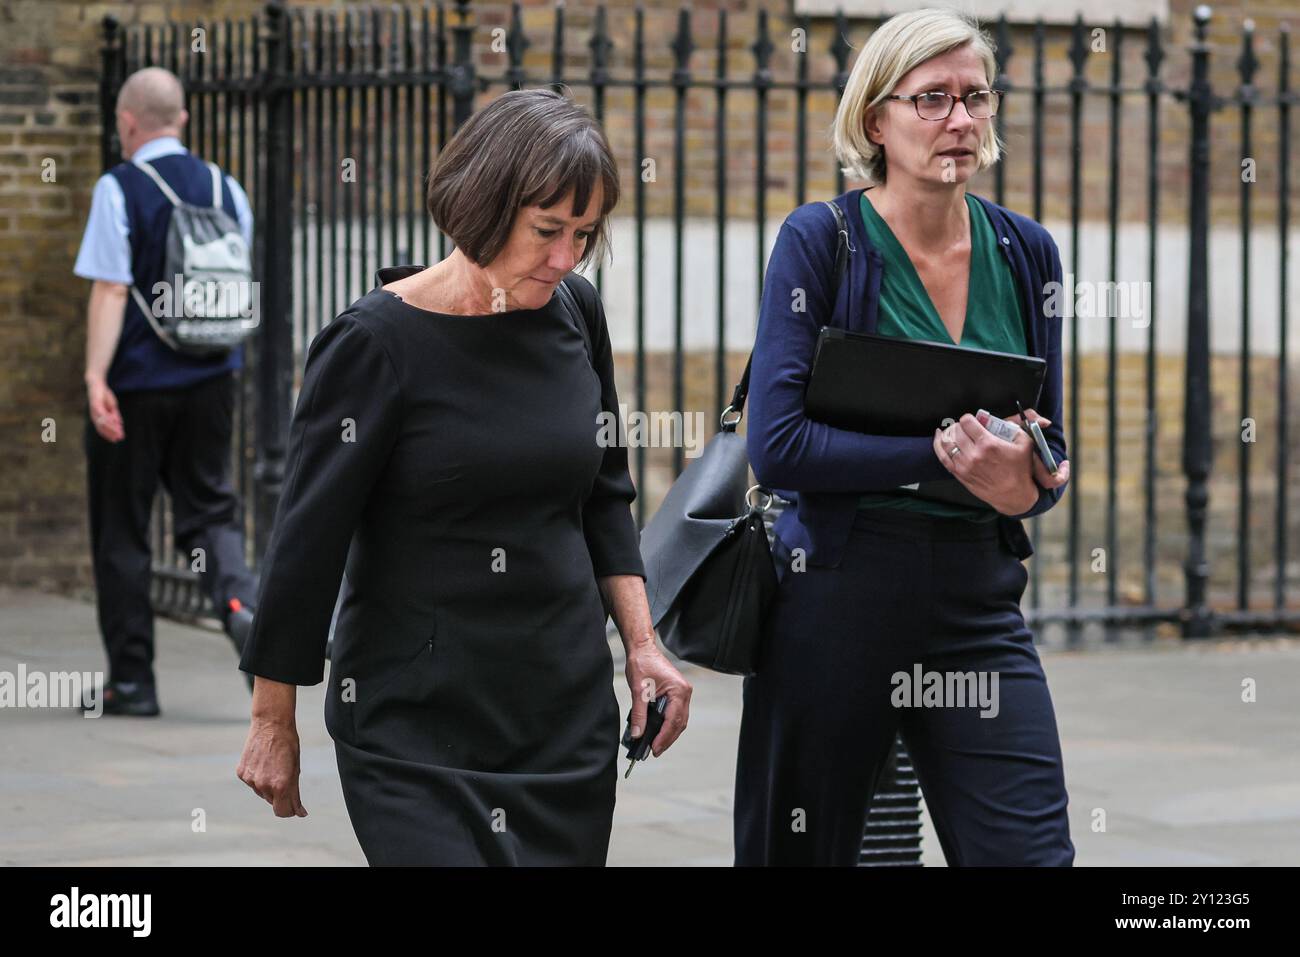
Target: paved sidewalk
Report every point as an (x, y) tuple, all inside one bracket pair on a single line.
[(1159, 738)]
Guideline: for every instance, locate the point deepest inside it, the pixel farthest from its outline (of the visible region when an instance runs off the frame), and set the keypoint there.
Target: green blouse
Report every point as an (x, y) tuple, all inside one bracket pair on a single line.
[(995, 320)]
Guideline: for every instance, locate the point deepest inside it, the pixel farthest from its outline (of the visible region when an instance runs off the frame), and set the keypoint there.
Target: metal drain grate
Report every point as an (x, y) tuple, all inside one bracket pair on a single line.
[(892, 837)]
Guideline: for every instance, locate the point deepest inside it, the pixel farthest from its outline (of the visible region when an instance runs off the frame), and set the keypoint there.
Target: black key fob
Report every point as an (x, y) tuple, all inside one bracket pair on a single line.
[(638, 749)]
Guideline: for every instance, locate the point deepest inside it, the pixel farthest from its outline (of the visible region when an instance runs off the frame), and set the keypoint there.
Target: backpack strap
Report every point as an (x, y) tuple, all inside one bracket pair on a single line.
[(216, 185), (143, 304), (146, 167)]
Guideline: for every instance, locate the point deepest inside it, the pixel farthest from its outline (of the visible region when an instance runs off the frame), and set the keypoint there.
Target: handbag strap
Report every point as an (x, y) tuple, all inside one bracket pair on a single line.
[(579, 317), (842, 247)]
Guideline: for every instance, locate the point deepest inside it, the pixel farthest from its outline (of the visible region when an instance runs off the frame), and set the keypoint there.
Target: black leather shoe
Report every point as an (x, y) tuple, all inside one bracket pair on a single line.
[(128, 698)]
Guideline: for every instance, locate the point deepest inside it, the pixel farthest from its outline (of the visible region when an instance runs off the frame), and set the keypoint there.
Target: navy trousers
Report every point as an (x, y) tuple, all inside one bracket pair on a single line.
[(820, 717)]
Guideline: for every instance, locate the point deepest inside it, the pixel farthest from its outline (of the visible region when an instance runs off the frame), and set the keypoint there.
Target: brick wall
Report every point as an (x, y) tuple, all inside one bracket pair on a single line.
[(49, 122)]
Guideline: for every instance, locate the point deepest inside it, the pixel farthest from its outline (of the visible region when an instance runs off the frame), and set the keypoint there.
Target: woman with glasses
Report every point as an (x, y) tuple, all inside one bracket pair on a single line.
[(882, 590)]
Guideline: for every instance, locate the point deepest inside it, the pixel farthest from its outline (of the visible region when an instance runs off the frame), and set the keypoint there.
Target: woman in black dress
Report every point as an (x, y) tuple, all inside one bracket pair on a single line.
[(445, 451)]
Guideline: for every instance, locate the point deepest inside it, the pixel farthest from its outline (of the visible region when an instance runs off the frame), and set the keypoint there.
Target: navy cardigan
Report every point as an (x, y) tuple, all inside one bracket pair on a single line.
[(824, 469)]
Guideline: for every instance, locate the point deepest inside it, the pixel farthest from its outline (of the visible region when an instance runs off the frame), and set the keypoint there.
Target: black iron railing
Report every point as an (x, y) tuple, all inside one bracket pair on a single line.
[(292, 100)]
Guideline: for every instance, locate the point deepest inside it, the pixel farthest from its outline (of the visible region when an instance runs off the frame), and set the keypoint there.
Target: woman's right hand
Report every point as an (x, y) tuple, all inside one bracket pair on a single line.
[(270, 762)]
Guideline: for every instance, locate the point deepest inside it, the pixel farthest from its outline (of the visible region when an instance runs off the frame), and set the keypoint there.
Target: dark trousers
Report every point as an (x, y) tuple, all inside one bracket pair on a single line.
[(820, 717), (181, 436)]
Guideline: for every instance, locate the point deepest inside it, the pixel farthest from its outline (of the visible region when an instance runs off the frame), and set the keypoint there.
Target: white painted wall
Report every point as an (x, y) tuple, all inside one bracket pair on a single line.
[(700, 284), (1130, 12)]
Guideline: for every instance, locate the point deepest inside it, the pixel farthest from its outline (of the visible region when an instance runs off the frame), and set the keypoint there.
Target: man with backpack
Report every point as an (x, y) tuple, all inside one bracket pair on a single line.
[(171, 302)]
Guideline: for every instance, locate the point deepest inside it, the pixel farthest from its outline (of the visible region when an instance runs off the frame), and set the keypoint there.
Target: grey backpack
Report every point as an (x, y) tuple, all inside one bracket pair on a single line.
[(207, 302)]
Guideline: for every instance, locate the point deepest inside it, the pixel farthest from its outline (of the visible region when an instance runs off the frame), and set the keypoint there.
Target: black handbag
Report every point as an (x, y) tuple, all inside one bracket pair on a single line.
[(708, 559)]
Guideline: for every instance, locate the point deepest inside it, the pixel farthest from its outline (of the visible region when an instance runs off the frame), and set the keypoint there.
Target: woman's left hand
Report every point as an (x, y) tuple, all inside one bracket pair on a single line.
[(649, 675), (996, 471)]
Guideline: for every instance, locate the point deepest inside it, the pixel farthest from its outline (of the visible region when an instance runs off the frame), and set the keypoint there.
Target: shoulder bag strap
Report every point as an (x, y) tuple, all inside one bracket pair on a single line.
[(579, 316), (737, 403)]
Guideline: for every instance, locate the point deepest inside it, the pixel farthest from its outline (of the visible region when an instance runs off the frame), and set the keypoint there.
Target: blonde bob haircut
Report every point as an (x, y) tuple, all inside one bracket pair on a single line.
[(897, 46)]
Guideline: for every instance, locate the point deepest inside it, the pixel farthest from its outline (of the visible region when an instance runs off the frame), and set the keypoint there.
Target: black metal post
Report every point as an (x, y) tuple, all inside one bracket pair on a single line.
[(683, 46), (1154, 87), (462, 80), (1283, 386), (275, 344), (1078, 53), (1196, 619), (1247, 65), (640, 90), (110, 81)]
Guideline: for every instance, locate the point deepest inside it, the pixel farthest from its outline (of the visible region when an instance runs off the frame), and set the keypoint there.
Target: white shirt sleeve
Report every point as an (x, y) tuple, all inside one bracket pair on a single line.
[(106, 245), (243, 212)]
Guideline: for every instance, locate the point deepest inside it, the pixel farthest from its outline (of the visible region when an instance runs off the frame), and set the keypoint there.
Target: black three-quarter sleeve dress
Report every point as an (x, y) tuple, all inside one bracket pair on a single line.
[(452, 465)]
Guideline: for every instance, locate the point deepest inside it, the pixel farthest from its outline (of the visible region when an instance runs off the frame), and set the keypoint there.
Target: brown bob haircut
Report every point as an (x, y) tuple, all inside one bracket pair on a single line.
[(525, 148)]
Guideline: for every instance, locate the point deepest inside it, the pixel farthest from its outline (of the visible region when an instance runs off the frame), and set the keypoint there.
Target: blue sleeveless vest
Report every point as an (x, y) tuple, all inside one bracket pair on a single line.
[(142, 360)]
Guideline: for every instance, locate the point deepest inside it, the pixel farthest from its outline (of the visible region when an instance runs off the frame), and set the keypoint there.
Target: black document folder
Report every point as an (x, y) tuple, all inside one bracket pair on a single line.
[(886, 385)]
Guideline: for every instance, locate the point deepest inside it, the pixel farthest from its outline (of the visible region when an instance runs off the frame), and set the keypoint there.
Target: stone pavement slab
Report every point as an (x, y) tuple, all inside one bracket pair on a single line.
[(1156, 737)]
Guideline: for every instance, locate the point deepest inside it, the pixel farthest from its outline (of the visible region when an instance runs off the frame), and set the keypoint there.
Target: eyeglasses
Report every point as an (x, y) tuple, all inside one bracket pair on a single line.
[(980, 104)]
